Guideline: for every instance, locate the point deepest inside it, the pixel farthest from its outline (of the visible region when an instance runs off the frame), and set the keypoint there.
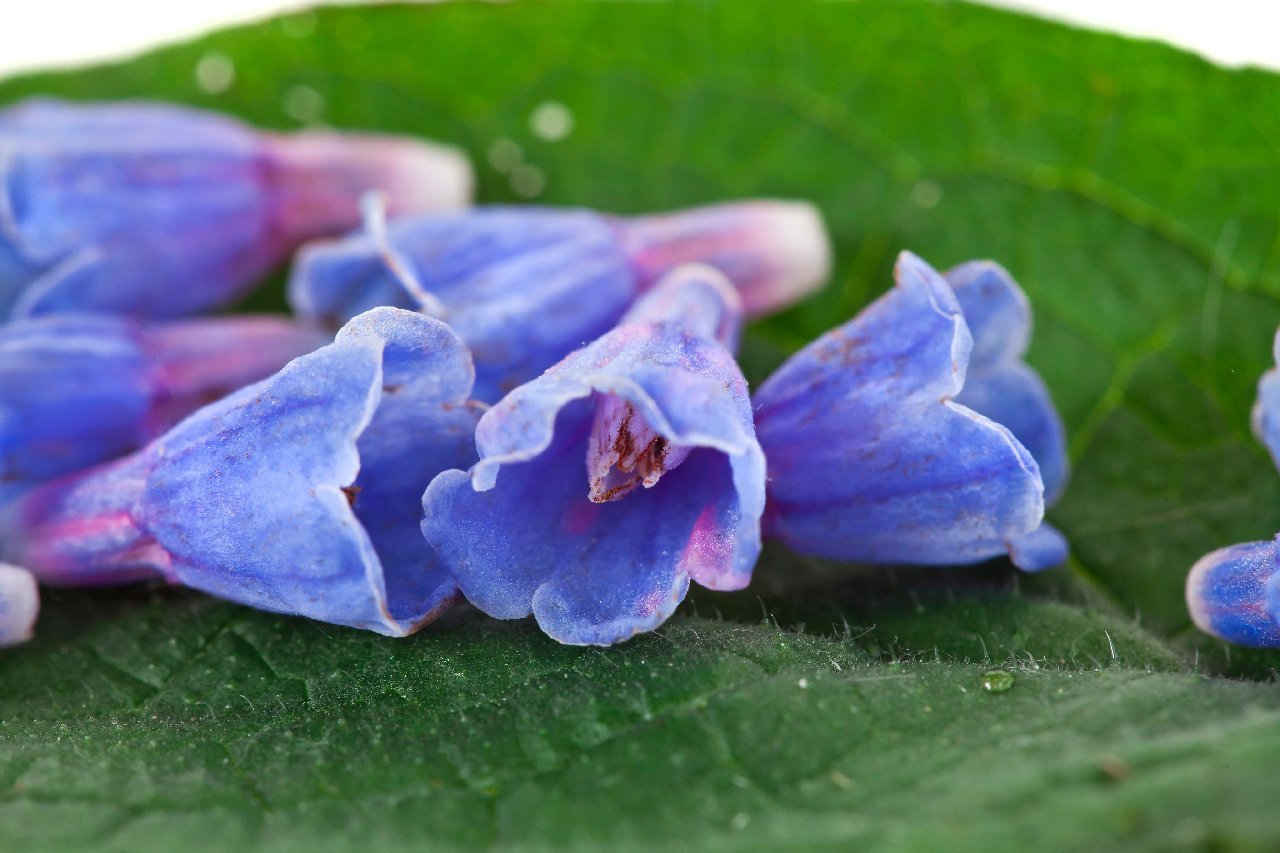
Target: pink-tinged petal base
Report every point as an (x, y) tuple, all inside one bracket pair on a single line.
[(318, 178), (81, 530), (775, 252)]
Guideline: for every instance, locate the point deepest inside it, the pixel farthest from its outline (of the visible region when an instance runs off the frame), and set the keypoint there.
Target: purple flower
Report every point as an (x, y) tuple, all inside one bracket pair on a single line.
[(298, 494), (76, 390), (1266, 410), (1234, 594), (610, 481), (526, 286), (19, 605), (872, 456), (998, 383), (158, 210)]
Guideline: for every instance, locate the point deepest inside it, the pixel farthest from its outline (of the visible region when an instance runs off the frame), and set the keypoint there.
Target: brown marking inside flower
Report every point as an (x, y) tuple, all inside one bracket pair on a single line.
[(645, 463)]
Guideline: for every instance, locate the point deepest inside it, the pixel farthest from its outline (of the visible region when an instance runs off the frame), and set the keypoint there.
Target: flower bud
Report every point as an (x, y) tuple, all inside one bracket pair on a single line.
[(158, 211)]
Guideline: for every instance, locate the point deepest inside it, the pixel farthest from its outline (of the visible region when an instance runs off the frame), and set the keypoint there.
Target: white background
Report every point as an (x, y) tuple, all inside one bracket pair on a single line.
[(54, 33)]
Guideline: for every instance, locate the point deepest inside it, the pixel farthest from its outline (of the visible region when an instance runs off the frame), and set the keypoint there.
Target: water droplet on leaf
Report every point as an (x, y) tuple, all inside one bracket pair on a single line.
[(1114, 768), (997, 681)]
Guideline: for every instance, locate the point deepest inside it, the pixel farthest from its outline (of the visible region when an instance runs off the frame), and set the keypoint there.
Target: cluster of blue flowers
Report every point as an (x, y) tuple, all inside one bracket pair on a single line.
[(536, 409)]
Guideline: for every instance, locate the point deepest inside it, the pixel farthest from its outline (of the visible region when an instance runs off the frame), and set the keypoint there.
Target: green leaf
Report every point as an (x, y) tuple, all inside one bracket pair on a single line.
[(1129, 187), (169, 721)]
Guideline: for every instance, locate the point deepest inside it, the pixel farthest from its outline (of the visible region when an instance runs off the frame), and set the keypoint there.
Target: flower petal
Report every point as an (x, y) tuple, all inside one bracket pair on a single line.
[(592, 573), (999, 384), (1229, 594), (522, 287), (1042, 548), (58, 414), (698, 298), (869, 456), (1266, 410), (14, 267), (995, 310), (392, 385), (19, 605), (425, 424)]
